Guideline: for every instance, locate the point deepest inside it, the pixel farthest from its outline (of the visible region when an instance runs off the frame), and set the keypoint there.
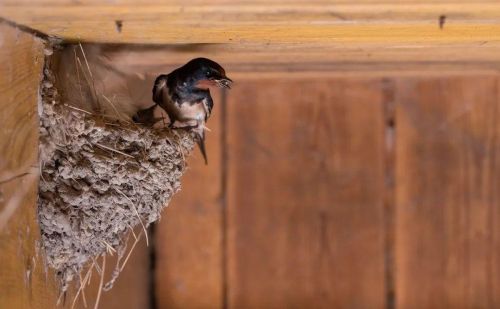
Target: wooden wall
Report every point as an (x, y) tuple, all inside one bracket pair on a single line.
[(323, 190), (341, 192)]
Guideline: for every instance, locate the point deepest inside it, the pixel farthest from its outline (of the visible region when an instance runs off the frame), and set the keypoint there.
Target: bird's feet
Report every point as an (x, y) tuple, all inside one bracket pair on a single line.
[(187, 125), (186, 128), (146, 116)]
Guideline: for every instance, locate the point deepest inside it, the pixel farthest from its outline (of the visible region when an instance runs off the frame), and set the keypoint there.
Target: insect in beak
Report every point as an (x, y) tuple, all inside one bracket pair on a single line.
[(224, 82)]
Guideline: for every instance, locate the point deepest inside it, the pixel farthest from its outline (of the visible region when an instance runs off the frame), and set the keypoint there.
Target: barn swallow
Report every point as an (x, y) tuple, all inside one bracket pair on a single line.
[(184, 94)]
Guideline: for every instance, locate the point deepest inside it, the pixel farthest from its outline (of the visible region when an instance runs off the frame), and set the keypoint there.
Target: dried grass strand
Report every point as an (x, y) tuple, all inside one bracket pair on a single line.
[(101, 282), (78, 75), (83, 291), (90, 81), (118, 114), (114, 150), (130, 252), (78, 109), (82, 286), (109, 248)]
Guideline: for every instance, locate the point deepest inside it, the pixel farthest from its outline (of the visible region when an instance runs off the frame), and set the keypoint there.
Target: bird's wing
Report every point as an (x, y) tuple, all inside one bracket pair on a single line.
[(208, 104), (159, 86)]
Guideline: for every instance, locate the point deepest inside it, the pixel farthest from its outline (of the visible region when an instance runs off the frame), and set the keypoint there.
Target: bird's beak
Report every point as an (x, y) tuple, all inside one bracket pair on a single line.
[(224, 82)]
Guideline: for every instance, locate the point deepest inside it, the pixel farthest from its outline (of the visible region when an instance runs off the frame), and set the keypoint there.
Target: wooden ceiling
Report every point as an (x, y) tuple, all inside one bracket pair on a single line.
[(272, 34)]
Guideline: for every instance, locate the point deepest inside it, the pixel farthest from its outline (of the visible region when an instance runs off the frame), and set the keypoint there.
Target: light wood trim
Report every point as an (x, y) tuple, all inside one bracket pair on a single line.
[(466, 22)]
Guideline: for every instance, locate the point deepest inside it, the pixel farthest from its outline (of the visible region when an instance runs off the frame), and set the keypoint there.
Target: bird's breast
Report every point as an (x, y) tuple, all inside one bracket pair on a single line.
[(189, 111)]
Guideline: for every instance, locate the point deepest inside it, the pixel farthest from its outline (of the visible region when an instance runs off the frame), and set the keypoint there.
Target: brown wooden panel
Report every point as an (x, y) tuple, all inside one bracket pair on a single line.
[(24, 280), (447, 239), (305, 194), (188, 272), (254, 60)]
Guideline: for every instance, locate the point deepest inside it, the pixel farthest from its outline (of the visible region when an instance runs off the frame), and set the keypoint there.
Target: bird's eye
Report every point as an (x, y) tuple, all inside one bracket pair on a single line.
[(207, 73)]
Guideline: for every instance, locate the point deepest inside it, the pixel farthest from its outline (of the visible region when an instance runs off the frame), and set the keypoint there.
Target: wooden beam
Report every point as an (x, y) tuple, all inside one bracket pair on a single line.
[(232, 2), (367, 35), (25, 281), (240, 22)]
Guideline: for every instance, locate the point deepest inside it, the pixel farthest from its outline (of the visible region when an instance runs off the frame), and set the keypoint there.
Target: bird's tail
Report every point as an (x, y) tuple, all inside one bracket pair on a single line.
[(146, 116), (200, 140)]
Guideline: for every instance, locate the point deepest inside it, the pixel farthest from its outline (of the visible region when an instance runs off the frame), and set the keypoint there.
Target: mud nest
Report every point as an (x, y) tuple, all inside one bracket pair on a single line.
[(99, 180)]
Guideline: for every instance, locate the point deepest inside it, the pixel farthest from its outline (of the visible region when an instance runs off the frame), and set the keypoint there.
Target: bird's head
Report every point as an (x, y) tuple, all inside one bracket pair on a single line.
[(204, 72)]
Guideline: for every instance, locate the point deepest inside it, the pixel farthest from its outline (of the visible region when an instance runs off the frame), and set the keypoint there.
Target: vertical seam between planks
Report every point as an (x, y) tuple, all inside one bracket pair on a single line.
[(491, 209), (224, 167), (152, 268), (389, 111)]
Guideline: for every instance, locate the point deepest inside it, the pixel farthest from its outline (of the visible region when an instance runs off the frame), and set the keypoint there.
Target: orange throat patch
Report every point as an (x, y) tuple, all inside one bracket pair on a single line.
[(206, 84)]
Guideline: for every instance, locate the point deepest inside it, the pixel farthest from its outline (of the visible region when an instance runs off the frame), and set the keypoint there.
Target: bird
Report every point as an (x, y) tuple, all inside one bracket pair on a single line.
[(101, 81), (184, 95)]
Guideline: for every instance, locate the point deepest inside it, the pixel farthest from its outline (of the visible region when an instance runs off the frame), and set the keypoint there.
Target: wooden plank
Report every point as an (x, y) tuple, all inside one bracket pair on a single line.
[(305, 194), (331, 58), (233, 2), (277, 13), (25, 281), (389, 23), (447, 196), (188, 269)]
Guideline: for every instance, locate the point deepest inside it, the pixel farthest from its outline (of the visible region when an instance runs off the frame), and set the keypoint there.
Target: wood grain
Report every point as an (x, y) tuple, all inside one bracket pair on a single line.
[(305, 194), (25, 281), (188, 240), (364, 22), (233, 2), (447, 193)]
